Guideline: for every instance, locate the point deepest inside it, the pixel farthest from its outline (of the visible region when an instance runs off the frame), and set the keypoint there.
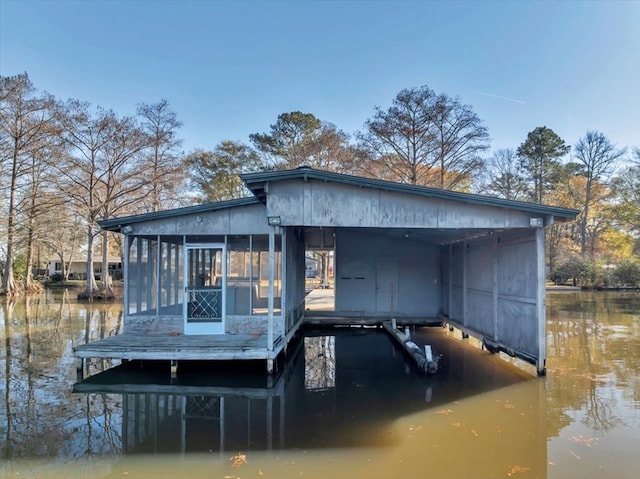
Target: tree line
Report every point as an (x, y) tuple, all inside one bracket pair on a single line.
[(65, 165)]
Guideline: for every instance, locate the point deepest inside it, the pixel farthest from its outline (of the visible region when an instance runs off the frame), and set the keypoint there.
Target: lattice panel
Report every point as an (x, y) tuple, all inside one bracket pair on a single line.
[(205, 304)]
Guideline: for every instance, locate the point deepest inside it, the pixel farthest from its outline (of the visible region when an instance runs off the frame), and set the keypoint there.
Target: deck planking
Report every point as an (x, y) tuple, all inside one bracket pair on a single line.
[(220, 347), (191, 347)]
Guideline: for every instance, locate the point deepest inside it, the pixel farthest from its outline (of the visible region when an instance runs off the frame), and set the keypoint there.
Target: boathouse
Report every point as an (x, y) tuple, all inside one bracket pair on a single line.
[(226, 280)]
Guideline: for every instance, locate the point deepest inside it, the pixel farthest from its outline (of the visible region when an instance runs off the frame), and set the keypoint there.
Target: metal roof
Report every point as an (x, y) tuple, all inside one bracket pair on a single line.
[(116, 224), (257, 182)]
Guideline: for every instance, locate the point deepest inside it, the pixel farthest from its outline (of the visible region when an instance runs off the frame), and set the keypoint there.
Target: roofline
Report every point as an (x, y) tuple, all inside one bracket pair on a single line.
[(256, 183), (116, 224)]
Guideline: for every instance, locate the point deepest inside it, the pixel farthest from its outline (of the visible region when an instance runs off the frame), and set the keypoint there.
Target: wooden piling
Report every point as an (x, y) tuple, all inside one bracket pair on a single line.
[(414, 351)]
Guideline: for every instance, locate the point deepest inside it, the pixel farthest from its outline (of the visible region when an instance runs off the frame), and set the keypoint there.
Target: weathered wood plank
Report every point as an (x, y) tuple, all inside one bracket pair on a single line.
[(196, 347)]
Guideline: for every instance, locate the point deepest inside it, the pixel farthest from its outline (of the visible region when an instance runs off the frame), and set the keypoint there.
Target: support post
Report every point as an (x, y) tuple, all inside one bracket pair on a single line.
[(80, 369), (450, 285), (272, 260), (174, 368), (495, 287), (125, 275), (465, 267), (541, 304)]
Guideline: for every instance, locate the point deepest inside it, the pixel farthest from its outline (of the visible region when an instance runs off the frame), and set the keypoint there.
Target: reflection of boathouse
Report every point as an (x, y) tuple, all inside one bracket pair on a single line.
[(340, 391), (226, 280)]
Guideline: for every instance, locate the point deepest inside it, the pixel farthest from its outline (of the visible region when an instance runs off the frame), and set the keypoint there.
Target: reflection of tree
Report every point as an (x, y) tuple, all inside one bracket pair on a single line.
[(320, 362), (591, 360), (28, 312), (7, 310), (41, 416)]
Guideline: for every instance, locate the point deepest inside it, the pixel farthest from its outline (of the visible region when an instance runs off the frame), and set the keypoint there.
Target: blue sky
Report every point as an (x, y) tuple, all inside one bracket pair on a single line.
[(230, 68)]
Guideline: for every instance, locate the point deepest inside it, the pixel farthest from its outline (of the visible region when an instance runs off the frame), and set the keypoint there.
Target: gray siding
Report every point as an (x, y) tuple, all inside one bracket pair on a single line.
[(495, 287), (249, 219), (365, 283), (329, 204), (294, 277)]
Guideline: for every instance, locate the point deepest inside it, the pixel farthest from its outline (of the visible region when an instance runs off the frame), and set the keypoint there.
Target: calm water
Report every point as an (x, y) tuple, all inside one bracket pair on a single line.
[(342, 406)]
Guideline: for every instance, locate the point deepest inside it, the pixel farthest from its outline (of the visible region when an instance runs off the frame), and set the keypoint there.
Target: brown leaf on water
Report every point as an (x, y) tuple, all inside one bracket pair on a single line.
[(238, 460), (585, 441), (513, 470), (445, 411)]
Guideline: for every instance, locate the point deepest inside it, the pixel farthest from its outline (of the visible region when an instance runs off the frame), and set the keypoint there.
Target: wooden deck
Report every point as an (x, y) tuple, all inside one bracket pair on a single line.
[(192, 347), (224, 347)]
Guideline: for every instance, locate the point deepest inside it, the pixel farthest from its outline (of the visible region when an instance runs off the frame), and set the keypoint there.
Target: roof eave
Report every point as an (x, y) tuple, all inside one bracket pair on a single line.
[(116, 224)]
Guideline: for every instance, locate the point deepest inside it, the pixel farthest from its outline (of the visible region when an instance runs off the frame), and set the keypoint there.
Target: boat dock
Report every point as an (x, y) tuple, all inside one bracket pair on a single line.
[(223, 347)]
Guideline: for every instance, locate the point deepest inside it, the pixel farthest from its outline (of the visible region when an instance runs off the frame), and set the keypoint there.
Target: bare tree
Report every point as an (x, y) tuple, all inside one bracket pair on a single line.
[(64, 231), (596, 158), (163, 158), (86, 136), (103, 173), (460, 137), (123, 178), (37, 202), (426, 139), (627, 187), (402, 137), (503, 178), (331, 150), (25, 124)]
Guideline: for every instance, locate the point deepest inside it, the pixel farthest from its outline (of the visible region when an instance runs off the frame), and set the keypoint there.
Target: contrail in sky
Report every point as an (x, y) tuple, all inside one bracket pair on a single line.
[(503, 97)]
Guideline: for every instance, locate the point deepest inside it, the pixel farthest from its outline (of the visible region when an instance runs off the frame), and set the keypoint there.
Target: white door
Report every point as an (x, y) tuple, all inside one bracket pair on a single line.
[(205, 273), (386, 285)]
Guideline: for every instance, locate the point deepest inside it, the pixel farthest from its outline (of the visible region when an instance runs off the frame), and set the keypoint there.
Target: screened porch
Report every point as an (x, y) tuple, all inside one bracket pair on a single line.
[(205, 284)]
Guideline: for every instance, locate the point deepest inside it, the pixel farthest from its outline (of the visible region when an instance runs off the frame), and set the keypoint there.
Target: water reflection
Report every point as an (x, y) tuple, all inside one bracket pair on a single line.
[(343, 405), (40, 416), (593, 403), (594, 346)]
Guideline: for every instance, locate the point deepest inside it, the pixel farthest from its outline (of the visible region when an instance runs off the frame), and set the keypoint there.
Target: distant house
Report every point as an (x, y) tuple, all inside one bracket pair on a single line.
[(226, 280), (310, 267), (78, 268)]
